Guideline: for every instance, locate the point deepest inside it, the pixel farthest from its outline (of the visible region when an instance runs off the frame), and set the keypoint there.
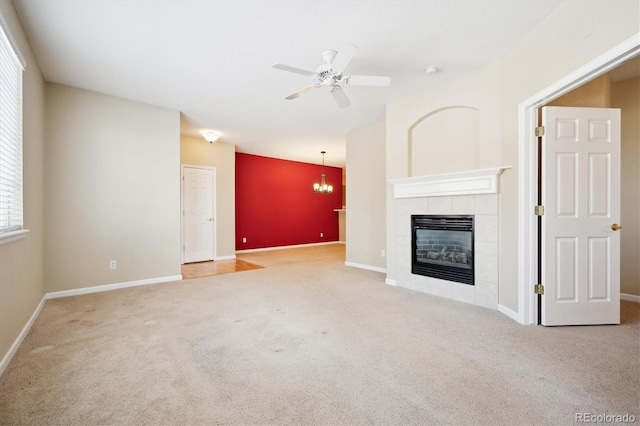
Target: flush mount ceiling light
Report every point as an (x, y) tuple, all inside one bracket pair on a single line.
[(431, 70), (322, 187), (211, 136)]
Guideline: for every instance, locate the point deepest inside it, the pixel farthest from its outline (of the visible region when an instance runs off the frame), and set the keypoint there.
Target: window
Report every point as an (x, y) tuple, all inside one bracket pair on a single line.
[(11, 69)]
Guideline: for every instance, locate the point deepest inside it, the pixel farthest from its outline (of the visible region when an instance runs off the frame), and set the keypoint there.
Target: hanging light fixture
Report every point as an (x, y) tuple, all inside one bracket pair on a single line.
[(322, 187)]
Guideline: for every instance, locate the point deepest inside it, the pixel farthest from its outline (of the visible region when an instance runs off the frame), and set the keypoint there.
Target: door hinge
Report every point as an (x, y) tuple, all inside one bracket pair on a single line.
[(538, 289), (539, 210), (539, 131)]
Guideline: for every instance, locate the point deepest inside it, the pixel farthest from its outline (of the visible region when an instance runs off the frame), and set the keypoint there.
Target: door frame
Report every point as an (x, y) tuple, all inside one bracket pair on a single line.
[(528, 167), (214, 206)]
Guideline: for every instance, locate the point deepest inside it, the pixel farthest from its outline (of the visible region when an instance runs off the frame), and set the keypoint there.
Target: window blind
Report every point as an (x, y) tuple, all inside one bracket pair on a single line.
[(11, 214)]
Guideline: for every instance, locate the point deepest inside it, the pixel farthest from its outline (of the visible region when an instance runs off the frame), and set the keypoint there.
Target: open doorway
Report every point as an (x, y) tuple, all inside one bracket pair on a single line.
[(617, 89), (529, 175)]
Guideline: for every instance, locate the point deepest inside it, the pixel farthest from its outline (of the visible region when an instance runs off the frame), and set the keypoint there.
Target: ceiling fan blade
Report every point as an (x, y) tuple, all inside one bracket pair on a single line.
[(340, 97), (343, 57), (367, 80), (301, 92), (294, 70)]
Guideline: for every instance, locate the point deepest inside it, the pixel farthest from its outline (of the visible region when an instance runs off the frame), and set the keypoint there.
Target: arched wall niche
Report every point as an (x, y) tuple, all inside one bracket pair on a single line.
[(444, 140)]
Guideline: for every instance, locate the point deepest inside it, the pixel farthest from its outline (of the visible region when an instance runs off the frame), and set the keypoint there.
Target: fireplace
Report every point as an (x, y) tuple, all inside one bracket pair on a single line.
[(442, 247)]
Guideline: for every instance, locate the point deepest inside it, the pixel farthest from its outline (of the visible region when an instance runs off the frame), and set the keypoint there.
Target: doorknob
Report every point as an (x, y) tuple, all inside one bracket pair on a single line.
[(210, 219), (615, 227)]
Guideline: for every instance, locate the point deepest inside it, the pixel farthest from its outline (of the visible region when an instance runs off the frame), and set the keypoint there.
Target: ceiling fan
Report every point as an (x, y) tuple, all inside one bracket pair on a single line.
[(329, 74)]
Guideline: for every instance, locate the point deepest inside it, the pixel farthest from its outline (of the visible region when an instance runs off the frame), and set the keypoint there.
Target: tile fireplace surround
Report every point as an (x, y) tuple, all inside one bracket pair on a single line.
[(473, 192)]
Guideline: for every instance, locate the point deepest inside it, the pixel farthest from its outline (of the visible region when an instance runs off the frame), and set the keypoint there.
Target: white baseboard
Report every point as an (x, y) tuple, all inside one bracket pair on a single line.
[(390, 281), (287, 247), (230, 257), (25, 330), (511, 314), (630, 297), (367, 267), (516, 317), (109, 287)]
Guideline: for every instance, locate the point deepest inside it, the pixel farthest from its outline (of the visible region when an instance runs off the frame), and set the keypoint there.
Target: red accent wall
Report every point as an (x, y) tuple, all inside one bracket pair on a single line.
[(276, 205)]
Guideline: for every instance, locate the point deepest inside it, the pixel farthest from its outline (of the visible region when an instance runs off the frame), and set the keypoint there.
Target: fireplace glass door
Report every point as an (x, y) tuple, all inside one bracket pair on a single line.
[(442, 247)]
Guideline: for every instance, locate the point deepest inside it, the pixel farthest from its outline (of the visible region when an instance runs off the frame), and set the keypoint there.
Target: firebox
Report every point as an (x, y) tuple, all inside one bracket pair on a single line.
[(442, 247)]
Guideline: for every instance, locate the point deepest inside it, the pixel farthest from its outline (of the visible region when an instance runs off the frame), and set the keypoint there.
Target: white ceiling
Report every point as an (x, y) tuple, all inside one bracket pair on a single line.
[(212, 60)]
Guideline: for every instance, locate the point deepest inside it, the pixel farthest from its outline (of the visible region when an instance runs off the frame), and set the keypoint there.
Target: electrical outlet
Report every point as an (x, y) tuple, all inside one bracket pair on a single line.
[(383, 253), (244, 239), (113, 264), (321, 234)]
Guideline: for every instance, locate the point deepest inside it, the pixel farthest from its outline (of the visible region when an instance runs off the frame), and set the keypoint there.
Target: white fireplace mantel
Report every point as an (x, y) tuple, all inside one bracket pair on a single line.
[(471, 182)]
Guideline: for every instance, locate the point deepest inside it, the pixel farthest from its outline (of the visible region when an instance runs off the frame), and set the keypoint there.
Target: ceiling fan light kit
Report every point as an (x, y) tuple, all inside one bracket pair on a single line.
[(329, 74)]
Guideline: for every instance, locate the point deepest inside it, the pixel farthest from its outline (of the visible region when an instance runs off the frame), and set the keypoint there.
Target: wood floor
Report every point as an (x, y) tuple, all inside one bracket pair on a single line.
[(217, 267)]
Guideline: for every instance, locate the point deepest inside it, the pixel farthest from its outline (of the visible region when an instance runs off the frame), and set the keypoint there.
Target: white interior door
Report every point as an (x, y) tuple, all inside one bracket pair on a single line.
[(581, 196), (197, 208)]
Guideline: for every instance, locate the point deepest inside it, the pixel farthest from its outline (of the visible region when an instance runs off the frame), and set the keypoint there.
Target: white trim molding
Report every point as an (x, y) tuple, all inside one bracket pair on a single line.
[(471, 182), (13, 44), (630, 297), (508, 312), (367, 267), (389, 281), (25, 330), (109, 287), (230, 257), (8, 237), (287, 247)]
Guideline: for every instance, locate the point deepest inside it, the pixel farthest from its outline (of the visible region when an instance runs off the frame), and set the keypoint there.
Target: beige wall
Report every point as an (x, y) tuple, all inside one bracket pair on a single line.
[(112, 190), (222, 156), (626, 96), (22, 262), (594, 94), (574, 34), (365, 220), (452, 133)]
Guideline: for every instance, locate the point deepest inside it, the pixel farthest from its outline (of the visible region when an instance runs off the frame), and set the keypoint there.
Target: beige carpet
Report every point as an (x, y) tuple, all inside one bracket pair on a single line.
[(309, 341)]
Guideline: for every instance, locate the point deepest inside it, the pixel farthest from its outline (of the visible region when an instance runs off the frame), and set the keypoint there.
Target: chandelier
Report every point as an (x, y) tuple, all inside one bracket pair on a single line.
[(322, 187)]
